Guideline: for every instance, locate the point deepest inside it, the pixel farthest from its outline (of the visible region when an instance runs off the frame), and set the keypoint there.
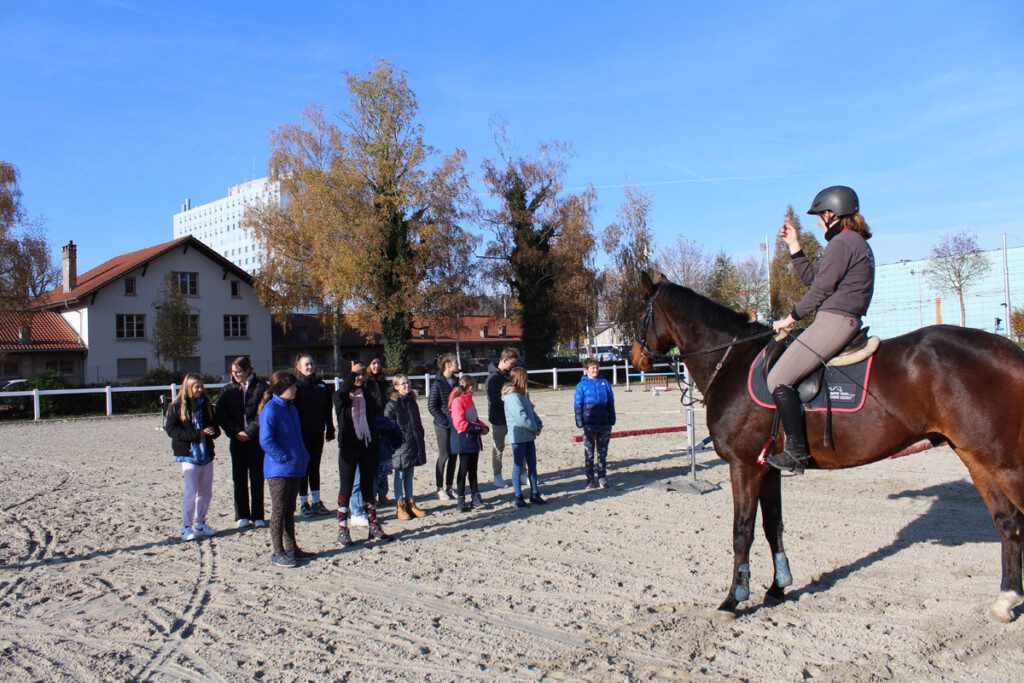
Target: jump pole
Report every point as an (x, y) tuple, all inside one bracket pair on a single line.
[(693, 485), (637, 432)]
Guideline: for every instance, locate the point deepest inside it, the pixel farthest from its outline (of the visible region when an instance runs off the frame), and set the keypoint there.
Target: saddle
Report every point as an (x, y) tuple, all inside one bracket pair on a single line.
[(857, 349)]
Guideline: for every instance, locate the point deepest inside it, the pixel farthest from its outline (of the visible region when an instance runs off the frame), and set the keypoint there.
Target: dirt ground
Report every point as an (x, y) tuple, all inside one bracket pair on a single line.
[(894, 566)]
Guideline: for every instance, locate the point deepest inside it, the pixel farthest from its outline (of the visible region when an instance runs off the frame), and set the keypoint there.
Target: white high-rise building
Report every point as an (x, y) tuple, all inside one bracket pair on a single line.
[(219, 223)]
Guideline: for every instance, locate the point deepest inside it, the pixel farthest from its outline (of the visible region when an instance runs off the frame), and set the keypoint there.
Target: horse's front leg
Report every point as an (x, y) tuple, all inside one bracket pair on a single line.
[(746, 488), (771, 520)]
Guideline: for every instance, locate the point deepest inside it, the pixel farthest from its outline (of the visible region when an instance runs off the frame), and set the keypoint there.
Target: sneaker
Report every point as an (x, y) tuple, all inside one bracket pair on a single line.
[(443, 495), (520, 502), (358, 520), (537, 500), (377, 535), (478, 501), (602, 483), (187, 534), (451, 494), (415, 509), (260, 524), (320, 511), (243, 523), (344, 538), (306, 510), (299, 555), (204, 529), (283, 560), (499, 483)]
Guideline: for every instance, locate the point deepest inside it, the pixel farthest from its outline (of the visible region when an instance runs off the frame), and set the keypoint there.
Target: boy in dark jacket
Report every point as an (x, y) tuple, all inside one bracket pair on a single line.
[(437, 405), (595, 415), (498, 377)]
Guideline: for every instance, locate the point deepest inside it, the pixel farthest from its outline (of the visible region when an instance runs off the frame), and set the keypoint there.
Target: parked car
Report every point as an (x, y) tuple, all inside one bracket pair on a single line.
[(604, 354), (14, 385)]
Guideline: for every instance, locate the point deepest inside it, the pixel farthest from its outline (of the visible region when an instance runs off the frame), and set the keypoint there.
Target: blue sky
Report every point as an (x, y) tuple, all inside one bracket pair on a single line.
[(115, 111)]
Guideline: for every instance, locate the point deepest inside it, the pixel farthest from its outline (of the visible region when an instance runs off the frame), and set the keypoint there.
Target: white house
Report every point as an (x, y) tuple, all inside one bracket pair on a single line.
[(111, 308)]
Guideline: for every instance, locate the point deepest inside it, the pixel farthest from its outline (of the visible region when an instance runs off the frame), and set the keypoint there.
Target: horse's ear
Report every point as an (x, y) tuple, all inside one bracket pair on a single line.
[(663, 279), (647, 284)]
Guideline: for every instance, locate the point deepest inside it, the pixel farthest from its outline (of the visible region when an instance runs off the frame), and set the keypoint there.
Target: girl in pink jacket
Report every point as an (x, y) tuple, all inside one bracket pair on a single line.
[(465, 439)]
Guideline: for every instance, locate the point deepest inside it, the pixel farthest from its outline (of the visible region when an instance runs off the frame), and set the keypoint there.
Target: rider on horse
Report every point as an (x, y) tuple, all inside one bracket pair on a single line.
[(841, 284)]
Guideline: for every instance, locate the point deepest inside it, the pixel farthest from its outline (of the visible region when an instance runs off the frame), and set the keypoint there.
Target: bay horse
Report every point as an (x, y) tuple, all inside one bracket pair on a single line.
[(941, 383)]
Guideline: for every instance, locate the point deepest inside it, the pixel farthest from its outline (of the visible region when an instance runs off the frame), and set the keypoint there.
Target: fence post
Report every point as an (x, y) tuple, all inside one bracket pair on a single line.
[(554, 377), (627, 375), (110, 401), (35, 404), (337, 383), (615, 374), (426, 383), (174, 391)]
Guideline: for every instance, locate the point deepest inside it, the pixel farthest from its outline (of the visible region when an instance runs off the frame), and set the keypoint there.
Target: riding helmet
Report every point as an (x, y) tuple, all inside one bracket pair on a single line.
[(839, 199)]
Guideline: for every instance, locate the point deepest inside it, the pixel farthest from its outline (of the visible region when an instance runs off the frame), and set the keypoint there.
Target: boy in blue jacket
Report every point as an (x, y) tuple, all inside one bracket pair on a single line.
[(595, 415)]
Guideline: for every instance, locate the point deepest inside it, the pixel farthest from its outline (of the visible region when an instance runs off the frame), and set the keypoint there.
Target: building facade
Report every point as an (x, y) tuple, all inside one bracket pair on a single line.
[(219, 223), (906, 299), (113, 310)]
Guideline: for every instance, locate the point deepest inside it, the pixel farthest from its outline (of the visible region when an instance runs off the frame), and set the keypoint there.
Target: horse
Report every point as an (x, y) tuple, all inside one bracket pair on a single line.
[(941, 383)]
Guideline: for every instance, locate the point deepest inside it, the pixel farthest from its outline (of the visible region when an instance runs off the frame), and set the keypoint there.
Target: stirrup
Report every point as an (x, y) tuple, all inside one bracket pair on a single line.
[(787, 462)]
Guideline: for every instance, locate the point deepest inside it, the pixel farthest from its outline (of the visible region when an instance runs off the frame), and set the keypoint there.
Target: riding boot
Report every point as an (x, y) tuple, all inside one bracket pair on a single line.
[(795, 456)]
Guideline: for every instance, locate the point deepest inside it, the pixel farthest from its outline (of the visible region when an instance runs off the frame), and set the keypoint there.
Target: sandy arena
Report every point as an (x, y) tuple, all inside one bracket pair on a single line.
[(894, 566)]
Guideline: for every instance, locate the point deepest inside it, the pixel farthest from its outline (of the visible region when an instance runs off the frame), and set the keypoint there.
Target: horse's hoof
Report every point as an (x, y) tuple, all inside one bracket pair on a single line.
[(774, 596), (1001, 611), (724, 616)]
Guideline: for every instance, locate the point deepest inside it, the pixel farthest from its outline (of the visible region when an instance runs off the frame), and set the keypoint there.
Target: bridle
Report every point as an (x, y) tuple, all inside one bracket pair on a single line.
[(648, 354)]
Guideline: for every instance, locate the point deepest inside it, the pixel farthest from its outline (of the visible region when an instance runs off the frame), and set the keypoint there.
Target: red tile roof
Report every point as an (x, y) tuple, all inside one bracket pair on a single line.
[(50, 332), (105, 273)]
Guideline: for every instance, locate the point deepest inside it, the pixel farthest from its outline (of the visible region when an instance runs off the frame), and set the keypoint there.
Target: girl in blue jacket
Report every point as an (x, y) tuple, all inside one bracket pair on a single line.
[(523, 427), (284, 465)]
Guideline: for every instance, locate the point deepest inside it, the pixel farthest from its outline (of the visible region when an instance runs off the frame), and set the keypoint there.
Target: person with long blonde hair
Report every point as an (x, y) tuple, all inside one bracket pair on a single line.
[(523, 428), (190, 423), (403, 410)]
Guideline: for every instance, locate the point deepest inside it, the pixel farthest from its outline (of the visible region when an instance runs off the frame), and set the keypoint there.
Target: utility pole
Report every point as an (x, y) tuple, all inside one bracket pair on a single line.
[(1006, 289)]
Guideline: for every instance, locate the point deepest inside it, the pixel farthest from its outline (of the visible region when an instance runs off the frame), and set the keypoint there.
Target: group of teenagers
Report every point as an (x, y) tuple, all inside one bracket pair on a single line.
[(277, 430)]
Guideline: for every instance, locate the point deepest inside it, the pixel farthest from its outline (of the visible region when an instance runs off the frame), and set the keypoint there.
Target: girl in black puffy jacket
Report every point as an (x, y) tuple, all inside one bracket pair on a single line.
[(402, 408)]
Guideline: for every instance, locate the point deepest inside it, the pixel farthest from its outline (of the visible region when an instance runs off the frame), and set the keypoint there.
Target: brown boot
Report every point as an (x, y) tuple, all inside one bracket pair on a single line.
[(414, 508), (402, 511)]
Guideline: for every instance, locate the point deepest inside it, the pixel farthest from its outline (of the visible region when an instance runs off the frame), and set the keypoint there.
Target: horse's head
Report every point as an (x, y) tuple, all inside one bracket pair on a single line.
[(651, 339)]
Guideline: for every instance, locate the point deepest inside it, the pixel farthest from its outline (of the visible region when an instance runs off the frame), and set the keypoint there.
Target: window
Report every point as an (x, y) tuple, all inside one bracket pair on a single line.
[(190, 364), (9, 369), (193, 325), (236, 326), (129, 285), (131, 326), (188, 283), (130, 368), (64, 367)]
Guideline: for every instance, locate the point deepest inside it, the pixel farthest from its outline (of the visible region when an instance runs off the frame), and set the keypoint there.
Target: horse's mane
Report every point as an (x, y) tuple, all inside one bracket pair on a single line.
[(708, 311)]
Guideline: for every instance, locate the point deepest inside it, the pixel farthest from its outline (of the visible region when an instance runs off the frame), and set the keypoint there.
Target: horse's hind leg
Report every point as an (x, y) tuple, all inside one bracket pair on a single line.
[(1009, 523), (771, 520), (746, 486)]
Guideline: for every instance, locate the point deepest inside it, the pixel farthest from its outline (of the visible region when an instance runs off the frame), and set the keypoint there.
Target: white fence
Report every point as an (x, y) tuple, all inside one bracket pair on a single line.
[(616, 370)]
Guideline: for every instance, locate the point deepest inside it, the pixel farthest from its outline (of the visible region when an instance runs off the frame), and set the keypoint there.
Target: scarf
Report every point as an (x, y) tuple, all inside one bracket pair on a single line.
[(359, 416)]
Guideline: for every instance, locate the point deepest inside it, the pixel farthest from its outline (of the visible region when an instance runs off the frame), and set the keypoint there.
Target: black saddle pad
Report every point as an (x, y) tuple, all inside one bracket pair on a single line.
[(844, 386)]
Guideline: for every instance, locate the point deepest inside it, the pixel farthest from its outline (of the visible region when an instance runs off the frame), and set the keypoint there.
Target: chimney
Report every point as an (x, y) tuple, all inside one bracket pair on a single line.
[(70, 270), (25, 334)]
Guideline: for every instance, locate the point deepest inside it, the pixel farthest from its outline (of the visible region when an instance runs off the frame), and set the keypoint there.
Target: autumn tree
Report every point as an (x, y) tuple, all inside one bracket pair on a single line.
[(368, 215), (724, 282), (1016, 324), (457, 293), (686, 263), (786, 288), (26, 267), (956, 263), (543, 244), (176, 329), (629, 243)]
